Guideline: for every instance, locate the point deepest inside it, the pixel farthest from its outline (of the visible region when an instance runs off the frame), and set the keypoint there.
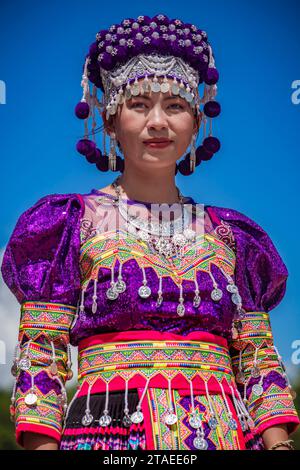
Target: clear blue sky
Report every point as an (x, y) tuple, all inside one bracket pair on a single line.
[(256, 47)]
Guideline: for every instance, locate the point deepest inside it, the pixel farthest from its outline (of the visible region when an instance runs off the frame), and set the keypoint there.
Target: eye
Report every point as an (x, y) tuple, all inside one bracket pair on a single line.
[(134, 105), (177, 104)]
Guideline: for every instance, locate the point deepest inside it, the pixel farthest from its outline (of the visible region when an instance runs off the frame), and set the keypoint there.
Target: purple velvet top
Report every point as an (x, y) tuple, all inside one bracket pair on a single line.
[(42, 263)]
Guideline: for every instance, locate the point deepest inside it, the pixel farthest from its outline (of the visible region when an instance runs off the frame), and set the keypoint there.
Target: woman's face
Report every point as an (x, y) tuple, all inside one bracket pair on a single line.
[(154, 115)]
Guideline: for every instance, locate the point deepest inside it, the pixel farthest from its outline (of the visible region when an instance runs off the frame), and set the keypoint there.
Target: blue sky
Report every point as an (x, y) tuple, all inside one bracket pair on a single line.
[(256, 47)]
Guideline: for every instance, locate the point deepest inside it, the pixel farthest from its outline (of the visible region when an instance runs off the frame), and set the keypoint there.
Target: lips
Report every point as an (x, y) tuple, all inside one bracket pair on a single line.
[(157, 143)]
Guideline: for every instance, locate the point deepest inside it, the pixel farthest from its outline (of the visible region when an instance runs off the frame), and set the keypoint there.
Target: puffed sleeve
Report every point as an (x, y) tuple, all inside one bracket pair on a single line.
[(41, 268), (261, 277)]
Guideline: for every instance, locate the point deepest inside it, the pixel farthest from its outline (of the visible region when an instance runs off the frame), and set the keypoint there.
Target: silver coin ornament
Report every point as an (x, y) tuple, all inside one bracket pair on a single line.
[(155, 87), (87, 419), (144, 292), (255, 371), (137, 417), (31, 399), (159, 301), (240, 377), (170, 419), (181, 310), (14, 369), (195, 421), (112, 294), (196, 301), (236, 298), (105, 420), (25, 363), (243, 425), (216, 294), (165, 87), (232, 288), (257, 389), (120, 286), (127, 421), (53, 368), (200, 443)]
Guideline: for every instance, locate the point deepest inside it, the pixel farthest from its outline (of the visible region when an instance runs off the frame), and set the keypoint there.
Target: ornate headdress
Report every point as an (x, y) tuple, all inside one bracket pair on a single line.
[(138, 56)]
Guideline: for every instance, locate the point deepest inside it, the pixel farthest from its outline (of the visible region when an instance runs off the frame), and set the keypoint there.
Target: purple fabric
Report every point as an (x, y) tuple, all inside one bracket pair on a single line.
[(41, 380), (261, 274), (41, 262)]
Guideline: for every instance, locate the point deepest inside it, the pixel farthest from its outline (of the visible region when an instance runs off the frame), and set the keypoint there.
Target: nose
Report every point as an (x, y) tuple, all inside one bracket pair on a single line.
[(157, 119)]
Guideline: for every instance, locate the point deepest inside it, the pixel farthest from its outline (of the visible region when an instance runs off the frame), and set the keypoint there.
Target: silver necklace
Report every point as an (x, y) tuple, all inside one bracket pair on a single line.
[(157, 235)]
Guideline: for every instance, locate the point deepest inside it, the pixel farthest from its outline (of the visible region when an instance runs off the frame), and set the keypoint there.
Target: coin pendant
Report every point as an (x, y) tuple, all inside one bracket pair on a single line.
[(14, 369), (257, 389), (197, 301), (87, 419), (53, 368), (127, 421), (236, 298), (200, 443), (232, 288), (155, 87), (105, 420), (137, 417), (165, 87), (112, 294), (120, 286), (31, 399), (180, 310), (255, 371), (216, 294), (144, 292), (195, 421), (170, 419), (25, 363), (240, 377)]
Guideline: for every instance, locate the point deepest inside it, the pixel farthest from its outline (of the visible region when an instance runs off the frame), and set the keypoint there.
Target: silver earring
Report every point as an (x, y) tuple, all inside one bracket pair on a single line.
[(193, 153), (112, 153)]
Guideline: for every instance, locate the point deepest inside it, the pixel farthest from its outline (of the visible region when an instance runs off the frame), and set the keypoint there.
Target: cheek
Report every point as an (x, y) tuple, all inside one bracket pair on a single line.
[(129, 128), (183, 128)]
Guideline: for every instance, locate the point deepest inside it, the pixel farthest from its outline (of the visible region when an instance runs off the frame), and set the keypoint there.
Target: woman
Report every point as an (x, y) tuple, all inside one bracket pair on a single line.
[(170, 316)]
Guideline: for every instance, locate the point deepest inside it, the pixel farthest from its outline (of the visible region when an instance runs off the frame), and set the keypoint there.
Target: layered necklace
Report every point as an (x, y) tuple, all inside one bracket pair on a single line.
[(168, 238)]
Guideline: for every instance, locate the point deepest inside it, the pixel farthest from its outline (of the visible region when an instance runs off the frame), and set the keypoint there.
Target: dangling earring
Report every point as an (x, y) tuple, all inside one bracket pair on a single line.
[(112, 152), (193, 153)]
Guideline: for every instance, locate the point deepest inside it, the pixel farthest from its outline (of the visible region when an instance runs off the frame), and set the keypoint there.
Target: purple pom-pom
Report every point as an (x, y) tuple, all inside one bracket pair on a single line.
[(102, 163), (94, 157), (184, 167), (85, 147), (212, 144), (94, 50), (203, 154), (82, 110), (211, 76), (212, 109)]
